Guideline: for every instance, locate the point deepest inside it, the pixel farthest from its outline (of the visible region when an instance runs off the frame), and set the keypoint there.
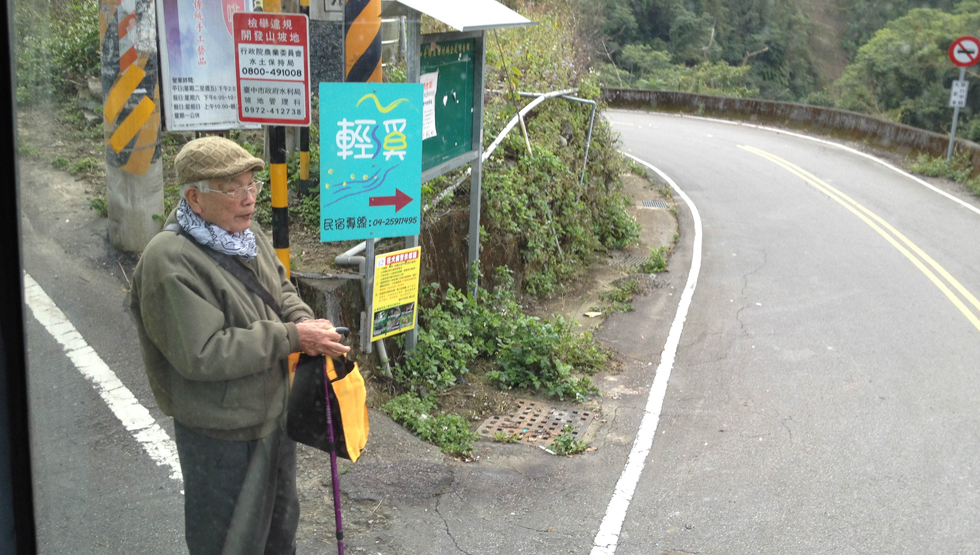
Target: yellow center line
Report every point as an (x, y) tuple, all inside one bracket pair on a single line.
[(871, 218)]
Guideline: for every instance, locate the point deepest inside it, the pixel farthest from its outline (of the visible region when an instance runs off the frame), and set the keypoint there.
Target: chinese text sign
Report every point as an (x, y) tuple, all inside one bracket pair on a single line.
[(370, 160), (272, 64), (396, 292), (196, 49)]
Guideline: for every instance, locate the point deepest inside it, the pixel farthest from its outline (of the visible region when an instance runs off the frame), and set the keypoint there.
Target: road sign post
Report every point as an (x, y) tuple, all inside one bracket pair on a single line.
[(964, 52)]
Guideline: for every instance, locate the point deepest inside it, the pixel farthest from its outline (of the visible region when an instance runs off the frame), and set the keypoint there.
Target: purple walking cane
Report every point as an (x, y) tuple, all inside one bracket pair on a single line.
[(333, 462)]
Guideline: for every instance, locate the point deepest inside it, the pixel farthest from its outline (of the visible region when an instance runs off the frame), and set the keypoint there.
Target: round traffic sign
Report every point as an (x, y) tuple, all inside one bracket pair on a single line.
[(965, 51)]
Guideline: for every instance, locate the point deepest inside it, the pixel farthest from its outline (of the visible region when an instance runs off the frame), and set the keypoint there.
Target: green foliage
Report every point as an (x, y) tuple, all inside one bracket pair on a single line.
[(663, 44), (99, 205), (540, 197), (449, 432), (904, 74), (864, 17), (565, 443), (445, 347), (657, 262), (620, 299), (57, 44), (61, 163), (308, 210), (959, 169), (530, 353), (27, 149), (84, 165), (504, 437)]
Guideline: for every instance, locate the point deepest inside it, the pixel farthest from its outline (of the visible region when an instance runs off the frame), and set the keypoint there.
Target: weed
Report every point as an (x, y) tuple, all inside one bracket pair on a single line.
[(99, 205), (449, 432), (958, 169), (83, 166), (505, 437), (565, 443), (60, 163), (638, 169), (658, 260), (27, 149), (621, 297)]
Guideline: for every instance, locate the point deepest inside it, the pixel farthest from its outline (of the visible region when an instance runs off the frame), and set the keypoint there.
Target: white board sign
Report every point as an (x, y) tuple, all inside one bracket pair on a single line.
[(957, 97)]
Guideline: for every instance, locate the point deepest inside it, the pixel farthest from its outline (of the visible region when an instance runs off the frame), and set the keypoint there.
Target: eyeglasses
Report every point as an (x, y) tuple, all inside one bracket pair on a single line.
[(239, 194)]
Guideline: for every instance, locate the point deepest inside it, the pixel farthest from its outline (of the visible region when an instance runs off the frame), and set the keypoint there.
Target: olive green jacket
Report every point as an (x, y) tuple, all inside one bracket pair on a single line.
[(214, 352)]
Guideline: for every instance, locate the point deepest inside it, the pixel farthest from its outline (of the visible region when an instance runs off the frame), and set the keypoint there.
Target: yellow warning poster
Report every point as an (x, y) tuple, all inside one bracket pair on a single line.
[(396, 292)]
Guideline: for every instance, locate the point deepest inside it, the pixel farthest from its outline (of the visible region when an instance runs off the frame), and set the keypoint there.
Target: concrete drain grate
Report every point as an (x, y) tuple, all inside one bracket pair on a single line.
[(653, 204), (537, 423)]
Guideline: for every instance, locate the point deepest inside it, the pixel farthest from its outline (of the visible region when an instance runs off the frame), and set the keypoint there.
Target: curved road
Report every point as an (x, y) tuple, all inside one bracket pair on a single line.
[(822, 397), (824, 394)]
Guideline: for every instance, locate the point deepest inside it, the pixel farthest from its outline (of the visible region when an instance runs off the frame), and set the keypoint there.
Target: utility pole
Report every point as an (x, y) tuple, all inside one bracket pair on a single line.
[(131, 119)]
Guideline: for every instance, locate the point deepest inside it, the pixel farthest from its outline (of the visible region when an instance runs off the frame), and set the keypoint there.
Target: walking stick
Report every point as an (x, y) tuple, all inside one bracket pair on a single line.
[(333, 462)]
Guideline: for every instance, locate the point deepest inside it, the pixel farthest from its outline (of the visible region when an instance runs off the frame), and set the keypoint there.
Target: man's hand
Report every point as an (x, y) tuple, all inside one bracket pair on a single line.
[(317, 337)]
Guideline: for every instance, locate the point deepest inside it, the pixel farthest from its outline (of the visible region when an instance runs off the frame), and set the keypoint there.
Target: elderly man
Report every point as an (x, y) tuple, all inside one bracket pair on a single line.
[(215, 350)]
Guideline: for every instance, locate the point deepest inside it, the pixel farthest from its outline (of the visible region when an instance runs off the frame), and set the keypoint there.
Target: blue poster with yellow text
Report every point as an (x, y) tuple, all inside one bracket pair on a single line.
[(370, 160)]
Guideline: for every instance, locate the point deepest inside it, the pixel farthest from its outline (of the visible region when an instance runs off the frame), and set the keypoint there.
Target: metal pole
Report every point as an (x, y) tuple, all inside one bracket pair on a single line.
[(368, 326), (278, 177), (304, 133), (476, 183), (956, 117), (131, 119), (412, 29)]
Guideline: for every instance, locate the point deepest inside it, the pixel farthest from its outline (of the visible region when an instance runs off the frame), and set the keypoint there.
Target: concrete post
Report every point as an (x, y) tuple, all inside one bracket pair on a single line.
[(131, 119)]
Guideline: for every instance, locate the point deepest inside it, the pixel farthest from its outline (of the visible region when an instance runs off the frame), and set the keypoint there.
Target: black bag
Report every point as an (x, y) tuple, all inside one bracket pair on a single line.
[(306, 419)]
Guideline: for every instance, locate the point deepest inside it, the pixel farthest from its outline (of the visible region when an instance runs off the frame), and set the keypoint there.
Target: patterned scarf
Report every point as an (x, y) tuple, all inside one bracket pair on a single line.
[(206, 233)]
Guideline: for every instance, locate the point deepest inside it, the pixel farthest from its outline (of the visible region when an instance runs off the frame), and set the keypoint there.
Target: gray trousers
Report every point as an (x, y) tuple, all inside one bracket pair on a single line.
[(240, 496)]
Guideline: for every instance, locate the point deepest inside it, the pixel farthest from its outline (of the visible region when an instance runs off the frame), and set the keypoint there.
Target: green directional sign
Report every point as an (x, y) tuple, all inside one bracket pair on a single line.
[(370, 160)]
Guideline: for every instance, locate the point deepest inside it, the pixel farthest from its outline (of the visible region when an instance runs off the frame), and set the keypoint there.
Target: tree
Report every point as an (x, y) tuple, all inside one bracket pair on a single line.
[(903, 73)]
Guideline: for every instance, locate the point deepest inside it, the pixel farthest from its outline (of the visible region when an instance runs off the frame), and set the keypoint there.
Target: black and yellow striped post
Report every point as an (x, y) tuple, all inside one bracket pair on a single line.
[(304, 132), (362, 41), (278, 176)]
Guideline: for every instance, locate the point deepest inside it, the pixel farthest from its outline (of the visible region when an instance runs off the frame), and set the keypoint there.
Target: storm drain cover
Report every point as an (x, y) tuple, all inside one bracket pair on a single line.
[(536, 422), (625, 260), (653, 204)]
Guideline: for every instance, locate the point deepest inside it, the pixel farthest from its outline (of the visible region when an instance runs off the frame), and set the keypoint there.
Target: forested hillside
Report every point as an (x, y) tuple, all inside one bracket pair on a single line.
[(882, 58)]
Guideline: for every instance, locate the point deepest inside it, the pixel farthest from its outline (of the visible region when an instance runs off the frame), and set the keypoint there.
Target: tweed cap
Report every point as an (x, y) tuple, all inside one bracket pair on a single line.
[(213, 158)]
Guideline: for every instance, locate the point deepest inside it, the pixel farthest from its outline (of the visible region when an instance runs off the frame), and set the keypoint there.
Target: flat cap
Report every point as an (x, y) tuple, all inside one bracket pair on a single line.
[(213, 158)]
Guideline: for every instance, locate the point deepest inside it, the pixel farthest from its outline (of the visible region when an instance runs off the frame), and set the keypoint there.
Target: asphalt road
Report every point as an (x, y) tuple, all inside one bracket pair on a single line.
[(823, 399)]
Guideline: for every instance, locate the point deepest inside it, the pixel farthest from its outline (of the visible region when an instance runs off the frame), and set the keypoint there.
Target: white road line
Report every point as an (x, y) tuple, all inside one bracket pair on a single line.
[(607, 538), (120, 399)]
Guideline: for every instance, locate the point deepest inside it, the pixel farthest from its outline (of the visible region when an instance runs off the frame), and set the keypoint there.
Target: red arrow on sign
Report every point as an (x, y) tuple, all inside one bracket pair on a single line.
[(398, 201)]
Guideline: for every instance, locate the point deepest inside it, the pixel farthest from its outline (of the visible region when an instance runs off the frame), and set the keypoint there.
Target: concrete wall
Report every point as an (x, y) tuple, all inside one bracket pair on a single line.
[(877, 132)]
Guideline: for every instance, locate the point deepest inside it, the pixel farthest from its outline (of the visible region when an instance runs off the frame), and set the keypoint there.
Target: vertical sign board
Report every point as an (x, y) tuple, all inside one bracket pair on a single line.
[(958, 93), (447, 68), (272, 68), (370, 160), (197, 79), (396, 293)]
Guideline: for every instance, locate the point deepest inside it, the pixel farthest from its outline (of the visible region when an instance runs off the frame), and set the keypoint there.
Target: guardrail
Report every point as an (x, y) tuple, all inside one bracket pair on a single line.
[(902, 139)]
